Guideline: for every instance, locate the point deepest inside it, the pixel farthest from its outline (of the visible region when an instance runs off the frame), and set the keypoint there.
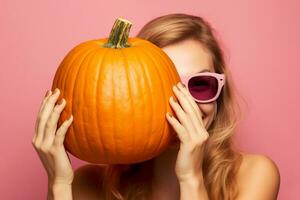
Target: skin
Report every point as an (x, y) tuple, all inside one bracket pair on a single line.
[(48, 142), (196, 60), (258, 176), (178, 170), (187, 164)]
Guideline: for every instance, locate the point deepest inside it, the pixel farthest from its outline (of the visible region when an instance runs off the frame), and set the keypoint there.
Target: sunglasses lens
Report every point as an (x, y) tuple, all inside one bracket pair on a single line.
[(203, 87)]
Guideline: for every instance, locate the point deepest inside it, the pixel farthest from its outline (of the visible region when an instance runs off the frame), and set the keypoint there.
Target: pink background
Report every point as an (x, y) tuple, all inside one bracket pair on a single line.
[(260, 39)]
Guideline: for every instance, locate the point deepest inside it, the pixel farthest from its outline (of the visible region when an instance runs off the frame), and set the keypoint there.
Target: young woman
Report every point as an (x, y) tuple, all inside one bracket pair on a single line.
[(203, 164)]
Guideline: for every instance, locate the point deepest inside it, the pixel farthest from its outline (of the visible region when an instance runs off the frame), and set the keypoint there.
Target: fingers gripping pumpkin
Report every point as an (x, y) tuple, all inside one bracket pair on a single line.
[(117, 89)]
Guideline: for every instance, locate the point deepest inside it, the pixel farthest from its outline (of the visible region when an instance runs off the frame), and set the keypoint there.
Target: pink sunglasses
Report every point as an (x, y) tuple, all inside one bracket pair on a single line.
[(204, 87)]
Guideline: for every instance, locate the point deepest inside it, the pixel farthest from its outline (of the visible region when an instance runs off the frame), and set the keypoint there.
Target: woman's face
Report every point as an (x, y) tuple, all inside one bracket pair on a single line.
[(190, 57)]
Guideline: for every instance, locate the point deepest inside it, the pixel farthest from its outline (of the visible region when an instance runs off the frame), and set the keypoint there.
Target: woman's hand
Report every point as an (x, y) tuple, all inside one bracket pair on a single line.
[(48, 140), (191, 132)]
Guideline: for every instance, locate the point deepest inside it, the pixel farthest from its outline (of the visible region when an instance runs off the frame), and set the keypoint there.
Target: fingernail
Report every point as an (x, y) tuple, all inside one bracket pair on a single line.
[(172, 98), (181, 85), (61, 101), (56, 90), (169, 114), (47, 93)]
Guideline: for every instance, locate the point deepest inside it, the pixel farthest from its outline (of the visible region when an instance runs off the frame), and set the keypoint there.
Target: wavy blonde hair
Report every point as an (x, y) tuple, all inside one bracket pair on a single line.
[(222, 157)]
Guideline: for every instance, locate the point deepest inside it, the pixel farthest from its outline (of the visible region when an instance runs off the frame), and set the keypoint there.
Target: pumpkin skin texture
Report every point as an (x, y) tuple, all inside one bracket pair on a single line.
[(119, 97)]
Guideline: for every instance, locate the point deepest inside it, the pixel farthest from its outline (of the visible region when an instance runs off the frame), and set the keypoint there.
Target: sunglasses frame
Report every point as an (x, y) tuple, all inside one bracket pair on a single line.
[(219, 77)]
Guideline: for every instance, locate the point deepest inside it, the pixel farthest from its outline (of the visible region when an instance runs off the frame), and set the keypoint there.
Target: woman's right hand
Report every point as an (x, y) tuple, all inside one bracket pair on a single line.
[(48, 141)]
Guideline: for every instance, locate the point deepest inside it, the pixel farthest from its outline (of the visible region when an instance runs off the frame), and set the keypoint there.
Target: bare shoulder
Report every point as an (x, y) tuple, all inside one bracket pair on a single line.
[(87, 182), (258, 161), (258, 177)]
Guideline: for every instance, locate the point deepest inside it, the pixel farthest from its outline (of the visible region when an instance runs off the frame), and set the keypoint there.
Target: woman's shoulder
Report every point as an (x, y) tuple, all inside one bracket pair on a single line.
[(87, 183), (252, 161), (256, 170)]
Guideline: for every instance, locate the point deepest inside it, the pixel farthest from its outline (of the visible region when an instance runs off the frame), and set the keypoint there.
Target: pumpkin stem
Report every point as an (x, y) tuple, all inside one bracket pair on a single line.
[(118, 37)]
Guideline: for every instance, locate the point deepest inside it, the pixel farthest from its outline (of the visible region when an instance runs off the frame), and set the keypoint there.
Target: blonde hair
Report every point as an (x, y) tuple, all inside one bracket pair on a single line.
[(222, 157)]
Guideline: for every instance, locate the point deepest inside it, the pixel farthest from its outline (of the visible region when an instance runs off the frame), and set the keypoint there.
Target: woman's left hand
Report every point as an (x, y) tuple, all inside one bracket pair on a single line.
[(191, 132)]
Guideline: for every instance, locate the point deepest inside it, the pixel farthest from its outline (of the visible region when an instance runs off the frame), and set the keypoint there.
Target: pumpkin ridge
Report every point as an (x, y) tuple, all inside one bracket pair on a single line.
[(130, 94), (175, 76), (89, 59), (113, 141), (162, 82), (144, 100), (62, 79), (171, 74), (173, 80), (167, 68), (152, 110), (97, 97), (151, 101), (82, 153)]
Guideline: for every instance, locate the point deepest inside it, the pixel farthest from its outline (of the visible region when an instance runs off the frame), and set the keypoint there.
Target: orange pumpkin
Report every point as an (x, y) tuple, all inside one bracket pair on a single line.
[(117, 89)]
